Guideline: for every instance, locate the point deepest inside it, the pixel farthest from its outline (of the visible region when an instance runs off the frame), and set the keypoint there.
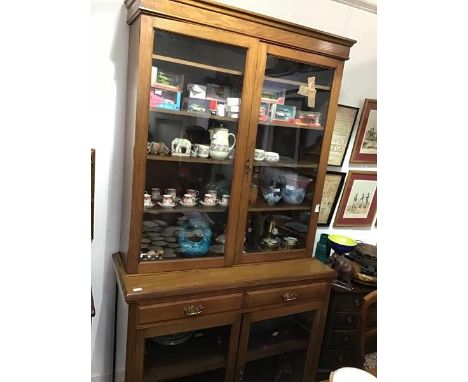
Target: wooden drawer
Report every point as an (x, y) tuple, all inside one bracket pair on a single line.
[(342, 339), (188, 308), (347, 302), (334, 359), (286, 295), (344, 320)]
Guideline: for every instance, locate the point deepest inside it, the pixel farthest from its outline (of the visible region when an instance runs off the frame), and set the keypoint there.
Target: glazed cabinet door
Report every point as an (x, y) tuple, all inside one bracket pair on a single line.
[(280, 344), (192, 126), (290, 131), (190, 350)]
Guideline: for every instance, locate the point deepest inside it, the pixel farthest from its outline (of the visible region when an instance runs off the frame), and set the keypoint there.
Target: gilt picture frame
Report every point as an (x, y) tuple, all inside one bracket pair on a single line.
[(332, 188), (365, 144), (358, 204)]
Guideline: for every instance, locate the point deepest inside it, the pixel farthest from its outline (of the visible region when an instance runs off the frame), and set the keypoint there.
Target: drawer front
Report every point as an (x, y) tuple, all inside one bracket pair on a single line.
[(286, 295), (188, 308), (344, 320), (334, 359), (342, 339), (347, 302)]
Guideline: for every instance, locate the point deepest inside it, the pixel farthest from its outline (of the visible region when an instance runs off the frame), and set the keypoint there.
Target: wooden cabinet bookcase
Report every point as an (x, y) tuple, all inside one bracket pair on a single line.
[(228, 128)]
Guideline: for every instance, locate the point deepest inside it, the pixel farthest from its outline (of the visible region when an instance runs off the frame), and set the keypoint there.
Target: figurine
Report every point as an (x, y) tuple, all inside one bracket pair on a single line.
[(181, 147), (344, 268), (157, 148)]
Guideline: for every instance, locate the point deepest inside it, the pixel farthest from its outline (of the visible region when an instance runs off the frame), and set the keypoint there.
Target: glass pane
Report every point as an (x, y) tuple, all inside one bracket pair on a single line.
[(195, 101), (288, 146), (199, 355), (277, 348)]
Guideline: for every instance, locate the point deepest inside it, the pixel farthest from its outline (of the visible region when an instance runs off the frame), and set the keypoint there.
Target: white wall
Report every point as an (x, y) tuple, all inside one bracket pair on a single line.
[(110, 50), (110, 55)]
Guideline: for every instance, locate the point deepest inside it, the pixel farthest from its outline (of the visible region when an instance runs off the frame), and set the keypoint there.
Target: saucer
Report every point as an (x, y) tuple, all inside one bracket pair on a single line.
[(187, 205), (149, 205), (207, 205), (272, 160), (223, 205), (258, 160), (166, 205)]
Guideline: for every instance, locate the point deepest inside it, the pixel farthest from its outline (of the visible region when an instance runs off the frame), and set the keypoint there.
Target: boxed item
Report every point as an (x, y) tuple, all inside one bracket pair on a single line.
[(273, 95), (233, 101), (308, 118), (264, 112), (167, 80), (165, 99), (196, 105), (283, 113), (218, 93), (196, 91), (212, 107)]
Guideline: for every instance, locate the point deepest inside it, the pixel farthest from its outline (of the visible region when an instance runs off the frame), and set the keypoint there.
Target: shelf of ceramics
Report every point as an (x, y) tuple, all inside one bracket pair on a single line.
[(285, 162), (260, 206), (170, 158), (156, 210)]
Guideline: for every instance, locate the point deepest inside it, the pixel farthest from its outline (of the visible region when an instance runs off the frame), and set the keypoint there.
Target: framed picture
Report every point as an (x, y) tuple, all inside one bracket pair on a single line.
[(358, 205), (365, 145), (331, 192), (344, 123)]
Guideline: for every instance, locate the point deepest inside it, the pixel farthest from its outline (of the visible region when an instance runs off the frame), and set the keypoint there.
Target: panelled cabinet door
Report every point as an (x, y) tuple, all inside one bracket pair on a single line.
[(196, 349), (278, 345), (290, 131), (196, 101)]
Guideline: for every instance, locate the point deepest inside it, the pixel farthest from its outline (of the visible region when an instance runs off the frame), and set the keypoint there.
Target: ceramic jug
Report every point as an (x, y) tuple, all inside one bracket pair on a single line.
[(219, 148)]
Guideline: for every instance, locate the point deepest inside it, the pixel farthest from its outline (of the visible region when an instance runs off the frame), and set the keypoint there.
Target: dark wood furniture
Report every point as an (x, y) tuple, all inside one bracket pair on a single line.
[(239, 311), (367, 326), (341, 336)]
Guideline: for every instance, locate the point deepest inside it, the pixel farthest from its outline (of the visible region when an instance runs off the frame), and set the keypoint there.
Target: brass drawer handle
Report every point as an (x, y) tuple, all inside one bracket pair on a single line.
[(193, 310), (290, 296)]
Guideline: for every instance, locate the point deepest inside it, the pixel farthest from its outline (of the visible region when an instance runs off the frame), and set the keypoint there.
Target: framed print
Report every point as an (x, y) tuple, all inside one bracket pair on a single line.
[(358, 205), (344, 123), (365, 145), (331, 192)]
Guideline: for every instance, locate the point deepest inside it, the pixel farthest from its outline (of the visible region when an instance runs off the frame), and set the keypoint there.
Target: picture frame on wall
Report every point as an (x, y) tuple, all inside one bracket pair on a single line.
[(358, 204), (344, 123), (365, 144), (332, 187)]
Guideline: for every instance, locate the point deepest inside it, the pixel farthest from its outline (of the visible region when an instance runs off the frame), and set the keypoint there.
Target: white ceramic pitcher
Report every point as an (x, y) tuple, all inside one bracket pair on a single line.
[(219, 148)]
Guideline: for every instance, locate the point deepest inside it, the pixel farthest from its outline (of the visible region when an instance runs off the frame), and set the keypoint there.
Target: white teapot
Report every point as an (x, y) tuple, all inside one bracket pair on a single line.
[(219, 148)]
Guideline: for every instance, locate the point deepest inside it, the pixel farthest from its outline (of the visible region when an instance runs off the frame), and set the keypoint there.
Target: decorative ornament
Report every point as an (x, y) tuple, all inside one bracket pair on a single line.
[(308, 90)]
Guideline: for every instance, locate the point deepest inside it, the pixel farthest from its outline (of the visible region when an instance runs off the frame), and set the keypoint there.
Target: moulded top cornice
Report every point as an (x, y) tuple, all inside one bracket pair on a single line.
[(150, 7)]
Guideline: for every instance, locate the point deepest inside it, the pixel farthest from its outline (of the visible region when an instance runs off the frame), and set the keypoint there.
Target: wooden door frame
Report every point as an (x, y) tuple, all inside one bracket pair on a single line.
[(135, 361), (317, 308), (147, 27), (265, 49)]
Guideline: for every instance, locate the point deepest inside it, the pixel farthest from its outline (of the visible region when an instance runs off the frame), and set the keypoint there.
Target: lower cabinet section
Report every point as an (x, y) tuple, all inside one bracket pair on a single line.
[(228, 340)]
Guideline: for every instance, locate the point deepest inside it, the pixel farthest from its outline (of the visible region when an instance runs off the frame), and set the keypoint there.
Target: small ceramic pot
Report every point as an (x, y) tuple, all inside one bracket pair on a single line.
[(172, 192), (210, 199), (203, 151), (167, 200), (225, 200), (259, 155), (155, 194)]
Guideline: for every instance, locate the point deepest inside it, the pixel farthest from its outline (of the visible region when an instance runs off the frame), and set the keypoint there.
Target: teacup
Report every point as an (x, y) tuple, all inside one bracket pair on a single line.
[(291, 241), (225, 200), (189, 199), (193, 192), (172, 192), (167, 200), (147, 199), (155, 194), (203, 151), (259, 154), (210, 199), (271, 156), (213, 192)]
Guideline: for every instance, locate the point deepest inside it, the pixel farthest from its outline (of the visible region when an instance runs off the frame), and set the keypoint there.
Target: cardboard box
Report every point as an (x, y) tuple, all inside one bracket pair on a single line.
[(196, 105), (165, 99), (167, 81), (308, 118), (264, 112), (283, 113), (273, 95), (196, 91), (218, 93)]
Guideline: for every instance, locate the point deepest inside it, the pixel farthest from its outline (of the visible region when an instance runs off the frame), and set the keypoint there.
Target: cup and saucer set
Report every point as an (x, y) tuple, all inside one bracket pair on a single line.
[(211, 199), (268, 156)]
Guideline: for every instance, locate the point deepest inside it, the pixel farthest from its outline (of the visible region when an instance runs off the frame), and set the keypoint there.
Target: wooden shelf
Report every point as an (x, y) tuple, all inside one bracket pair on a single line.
[(285, 162), (170, 158), (195, 356), (260, 206), (185, 113), (156, 210), (285, 124), (266, 346), (196, 65), (295, 83)]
